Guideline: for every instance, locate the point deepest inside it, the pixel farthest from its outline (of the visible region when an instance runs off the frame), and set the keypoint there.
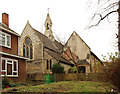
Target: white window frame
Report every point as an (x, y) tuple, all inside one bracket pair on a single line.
[(7, 62), (6, 39)]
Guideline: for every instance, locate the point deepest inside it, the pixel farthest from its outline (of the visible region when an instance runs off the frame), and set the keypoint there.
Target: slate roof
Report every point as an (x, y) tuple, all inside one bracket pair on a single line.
[(96, 57), (59, 45), (47, 42), (53, 48), (58, 57)]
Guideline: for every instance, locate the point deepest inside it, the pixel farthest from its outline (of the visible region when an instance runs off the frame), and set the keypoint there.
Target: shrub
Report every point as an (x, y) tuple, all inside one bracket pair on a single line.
[(57, 68), (13, 84), (73, 70), (5, 82), (112, 71)]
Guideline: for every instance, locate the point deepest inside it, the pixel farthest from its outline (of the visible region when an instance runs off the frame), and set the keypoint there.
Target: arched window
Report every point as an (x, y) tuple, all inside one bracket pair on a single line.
[(47, 26), (50, 64), (31, 52), (28, 48), (24, 50), (47, 65)]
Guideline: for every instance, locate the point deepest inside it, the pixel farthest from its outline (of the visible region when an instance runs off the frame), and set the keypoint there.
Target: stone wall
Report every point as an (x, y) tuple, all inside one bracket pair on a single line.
[(78, 46), (66, 67), (36, 43), (34, 66)]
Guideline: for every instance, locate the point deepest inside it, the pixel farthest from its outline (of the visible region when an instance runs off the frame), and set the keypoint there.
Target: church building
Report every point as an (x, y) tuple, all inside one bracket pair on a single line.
[(43, 51)]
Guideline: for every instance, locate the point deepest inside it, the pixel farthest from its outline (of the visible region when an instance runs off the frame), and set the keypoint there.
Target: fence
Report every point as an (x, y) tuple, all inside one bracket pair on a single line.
[(79, 77), (65, 77)]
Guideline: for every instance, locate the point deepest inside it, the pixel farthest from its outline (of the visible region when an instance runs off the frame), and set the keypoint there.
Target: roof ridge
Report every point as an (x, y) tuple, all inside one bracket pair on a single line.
[(2, 26), (79, 37), (45, 39)]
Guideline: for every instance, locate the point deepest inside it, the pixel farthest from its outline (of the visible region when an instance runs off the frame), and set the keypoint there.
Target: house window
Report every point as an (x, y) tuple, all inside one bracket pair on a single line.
[(9, 67), (5, 39), (49, 64), (28, 48)]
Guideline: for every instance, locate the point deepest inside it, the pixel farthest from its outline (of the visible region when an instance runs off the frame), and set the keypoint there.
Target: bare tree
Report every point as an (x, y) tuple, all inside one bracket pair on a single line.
[(112, 70), (104, 10)]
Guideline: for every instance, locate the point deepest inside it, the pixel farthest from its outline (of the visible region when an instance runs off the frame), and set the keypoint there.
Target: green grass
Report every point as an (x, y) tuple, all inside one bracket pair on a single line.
[(66, 86)]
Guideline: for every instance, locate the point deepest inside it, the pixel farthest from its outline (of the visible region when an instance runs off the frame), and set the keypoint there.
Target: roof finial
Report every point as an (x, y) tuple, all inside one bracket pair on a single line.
[(48, 9)]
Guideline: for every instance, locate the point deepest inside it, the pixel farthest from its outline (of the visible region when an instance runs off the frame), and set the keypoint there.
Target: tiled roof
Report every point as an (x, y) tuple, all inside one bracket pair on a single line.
[(69, 55), (7, 29)]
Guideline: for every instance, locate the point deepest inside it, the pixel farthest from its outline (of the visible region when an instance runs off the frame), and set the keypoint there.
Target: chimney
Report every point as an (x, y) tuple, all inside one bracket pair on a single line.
[(5, 19)]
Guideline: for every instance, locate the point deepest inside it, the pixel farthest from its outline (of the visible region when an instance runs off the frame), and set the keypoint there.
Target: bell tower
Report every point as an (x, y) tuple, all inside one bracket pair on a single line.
[(48, 28)]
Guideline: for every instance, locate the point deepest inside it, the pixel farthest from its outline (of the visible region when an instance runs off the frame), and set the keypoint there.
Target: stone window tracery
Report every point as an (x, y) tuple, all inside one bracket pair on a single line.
[(28, 48)]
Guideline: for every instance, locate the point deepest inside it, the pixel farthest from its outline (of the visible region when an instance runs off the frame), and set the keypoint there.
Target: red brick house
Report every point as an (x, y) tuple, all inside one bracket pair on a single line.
[(12, 65)]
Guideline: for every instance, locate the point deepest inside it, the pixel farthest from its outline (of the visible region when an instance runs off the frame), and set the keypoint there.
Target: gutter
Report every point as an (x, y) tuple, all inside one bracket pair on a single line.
[(3, 53), (10, 31)]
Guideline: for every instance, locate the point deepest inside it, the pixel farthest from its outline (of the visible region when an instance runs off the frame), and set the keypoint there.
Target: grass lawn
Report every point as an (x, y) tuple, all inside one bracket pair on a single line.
[(65, 86)]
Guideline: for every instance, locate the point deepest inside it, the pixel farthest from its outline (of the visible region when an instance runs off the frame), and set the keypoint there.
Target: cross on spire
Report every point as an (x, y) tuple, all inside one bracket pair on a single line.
[(48, 9)]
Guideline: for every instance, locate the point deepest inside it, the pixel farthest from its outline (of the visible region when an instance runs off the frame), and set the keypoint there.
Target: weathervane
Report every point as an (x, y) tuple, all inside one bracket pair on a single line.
[(48, 9)]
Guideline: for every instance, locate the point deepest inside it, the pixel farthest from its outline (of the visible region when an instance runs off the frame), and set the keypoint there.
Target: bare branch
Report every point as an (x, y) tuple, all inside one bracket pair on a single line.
[(62, 41), (102, 17), (113, 5)]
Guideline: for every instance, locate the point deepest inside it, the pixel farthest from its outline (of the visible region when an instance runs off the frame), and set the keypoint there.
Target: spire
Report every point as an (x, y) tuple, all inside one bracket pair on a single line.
[(48, 27)]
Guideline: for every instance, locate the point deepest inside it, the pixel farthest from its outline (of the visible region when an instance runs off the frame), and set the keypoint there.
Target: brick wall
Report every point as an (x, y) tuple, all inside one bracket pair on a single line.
[(14, 45), (21, 70)]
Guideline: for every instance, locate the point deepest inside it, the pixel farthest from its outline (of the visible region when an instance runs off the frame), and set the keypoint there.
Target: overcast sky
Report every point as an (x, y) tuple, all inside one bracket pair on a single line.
[(67, 16)]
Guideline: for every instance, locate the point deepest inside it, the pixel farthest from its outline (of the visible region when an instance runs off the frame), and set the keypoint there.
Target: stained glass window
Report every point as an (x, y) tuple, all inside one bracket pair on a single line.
[(31, 53), (28, 48), (24, 50)]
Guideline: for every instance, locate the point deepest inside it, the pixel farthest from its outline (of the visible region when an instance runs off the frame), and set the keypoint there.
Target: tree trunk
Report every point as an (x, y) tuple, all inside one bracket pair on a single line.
[(119, 28)]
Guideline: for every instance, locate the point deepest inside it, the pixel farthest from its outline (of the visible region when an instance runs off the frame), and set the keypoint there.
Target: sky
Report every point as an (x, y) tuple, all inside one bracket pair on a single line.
[(67, 16)]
